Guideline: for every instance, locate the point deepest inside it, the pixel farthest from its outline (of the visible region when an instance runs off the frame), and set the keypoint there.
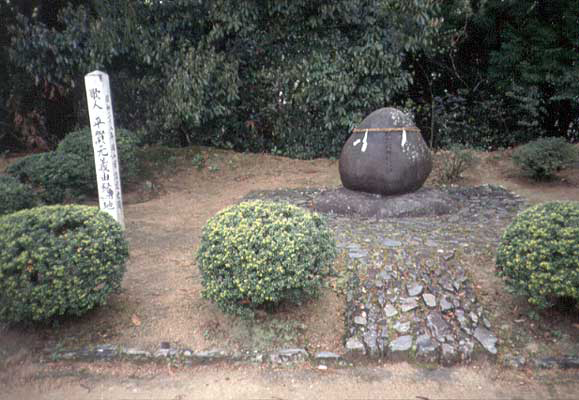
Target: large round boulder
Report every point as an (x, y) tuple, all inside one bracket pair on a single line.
[(385, 155)]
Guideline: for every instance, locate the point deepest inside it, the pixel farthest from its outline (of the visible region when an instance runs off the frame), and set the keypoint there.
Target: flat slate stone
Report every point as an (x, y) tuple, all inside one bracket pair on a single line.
[(390, 311), (445, 304), (448, 356), (438, 326), (429, 300), (289, 355), (426, 348), (402, 327), (391, 243), (327, 356), (360, 320), (486, 338), (403, 343), (408, 304), (414, 289), (355, 345)]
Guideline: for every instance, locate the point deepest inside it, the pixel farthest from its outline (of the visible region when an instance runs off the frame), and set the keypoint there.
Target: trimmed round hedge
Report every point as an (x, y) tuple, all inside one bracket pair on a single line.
[(538, 255), (54, 176), (80, 144), (261, 253), (15, 196), (58, 260), (542, 158)]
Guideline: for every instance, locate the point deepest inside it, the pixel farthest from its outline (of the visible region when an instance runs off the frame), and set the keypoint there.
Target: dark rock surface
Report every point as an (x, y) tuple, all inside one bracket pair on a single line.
[(385, 155)]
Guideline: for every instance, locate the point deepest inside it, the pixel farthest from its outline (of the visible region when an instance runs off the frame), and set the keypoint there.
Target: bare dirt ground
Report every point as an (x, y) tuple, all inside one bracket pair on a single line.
[(399, 381), (160, 301)]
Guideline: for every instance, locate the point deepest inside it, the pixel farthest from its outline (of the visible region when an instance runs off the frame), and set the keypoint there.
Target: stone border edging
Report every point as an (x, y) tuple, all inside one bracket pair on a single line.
[(322, 359)]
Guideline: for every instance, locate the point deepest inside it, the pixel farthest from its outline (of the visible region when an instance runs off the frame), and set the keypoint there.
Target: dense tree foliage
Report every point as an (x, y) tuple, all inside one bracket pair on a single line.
[(504, 72), (292, 76)]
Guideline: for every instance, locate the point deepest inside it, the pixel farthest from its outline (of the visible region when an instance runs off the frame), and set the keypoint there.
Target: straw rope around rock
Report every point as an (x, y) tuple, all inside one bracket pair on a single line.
[(364, 130)]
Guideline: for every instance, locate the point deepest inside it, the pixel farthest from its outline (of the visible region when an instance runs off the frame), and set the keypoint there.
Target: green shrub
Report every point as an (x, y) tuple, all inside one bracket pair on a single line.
[(54, 176), (452, 162), (80, 143), (15, 196), (260, 254), (541, 158), (538, 255), (58, 260)]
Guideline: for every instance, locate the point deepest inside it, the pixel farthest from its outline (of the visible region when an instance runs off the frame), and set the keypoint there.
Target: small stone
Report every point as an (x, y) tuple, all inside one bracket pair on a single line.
[(486, 323), (445, 305), (414, 289), (327, 356), (429, 300), (148, 186), (447, 285), (437, 325), (381, 299), (473, 317), (426, 347), (105, 351), (385, 276), (449, 256), (465, 348), (289, 355), (212, 354), (131, 352), (391, 243), (402, 327), (403, 343), (448, 355), (408, 304), (431, 243), (370, 338), (569, 362), (514, 361), (486, 338), (360, 320), (463, 321), (390, 311), (546, 363), (354, 345)]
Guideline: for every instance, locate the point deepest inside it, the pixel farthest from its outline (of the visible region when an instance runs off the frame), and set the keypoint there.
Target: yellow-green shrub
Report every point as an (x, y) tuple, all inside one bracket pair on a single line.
[(538, 255), (58, 260), (261, 253)]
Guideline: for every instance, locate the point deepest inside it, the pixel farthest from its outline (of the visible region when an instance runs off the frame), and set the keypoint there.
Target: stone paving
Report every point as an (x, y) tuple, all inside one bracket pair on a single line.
[(408, 295)]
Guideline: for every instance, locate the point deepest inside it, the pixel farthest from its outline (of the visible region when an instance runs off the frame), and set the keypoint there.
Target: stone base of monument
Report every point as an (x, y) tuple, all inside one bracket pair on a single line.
[(421, 203)]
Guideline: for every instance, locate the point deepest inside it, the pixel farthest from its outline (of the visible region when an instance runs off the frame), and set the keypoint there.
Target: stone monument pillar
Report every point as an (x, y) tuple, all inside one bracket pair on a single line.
[(385, 155)]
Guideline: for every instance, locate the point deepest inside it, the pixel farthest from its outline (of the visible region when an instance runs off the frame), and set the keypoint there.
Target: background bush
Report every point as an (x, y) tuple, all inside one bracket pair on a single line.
[(55, 176), (541, 158), (80, 144), (452, 162), (15, 196), (58, 260), (538, 253), (260, 253)]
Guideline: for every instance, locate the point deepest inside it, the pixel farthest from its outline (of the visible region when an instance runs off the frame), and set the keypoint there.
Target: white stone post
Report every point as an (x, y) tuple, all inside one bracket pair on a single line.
[(102, 125)]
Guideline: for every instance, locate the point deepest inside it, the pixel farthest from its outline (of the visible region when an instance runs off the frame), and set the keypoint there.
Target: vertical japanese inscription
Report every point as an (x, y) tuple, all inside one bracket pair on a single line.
[(104, 142)]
